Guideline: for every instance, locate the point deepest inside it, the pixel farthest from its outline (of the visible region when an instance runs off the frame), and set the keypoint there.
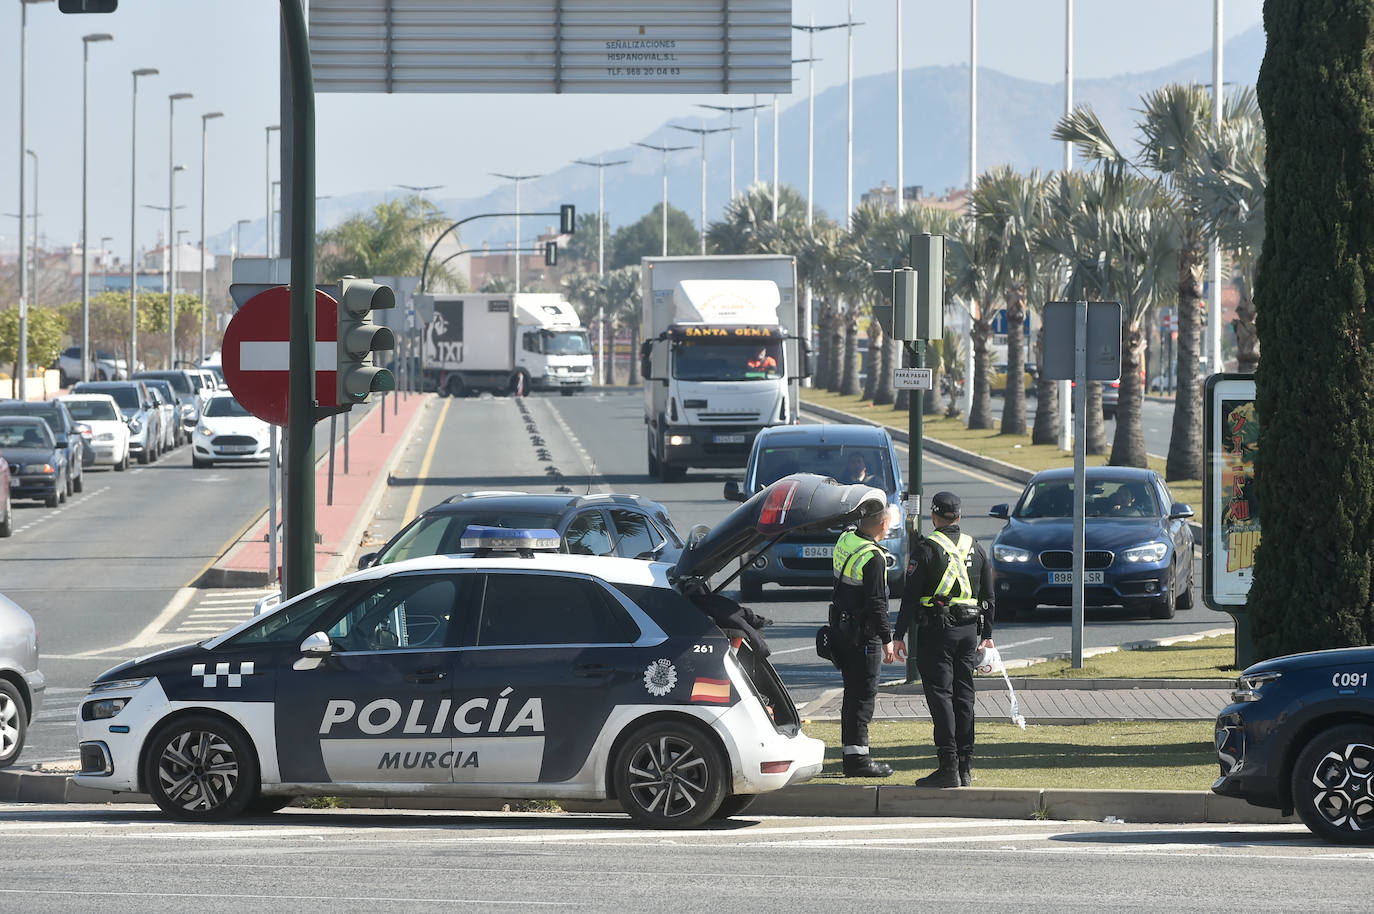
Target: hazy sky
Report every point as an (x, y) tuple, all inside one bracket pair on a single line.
[(225, 53)]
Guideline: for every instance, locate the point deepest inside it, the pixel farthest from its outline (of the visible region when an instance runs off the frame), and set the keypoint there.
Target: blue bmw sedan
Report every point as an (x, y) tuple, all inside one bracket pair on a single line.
[(1138, 545)]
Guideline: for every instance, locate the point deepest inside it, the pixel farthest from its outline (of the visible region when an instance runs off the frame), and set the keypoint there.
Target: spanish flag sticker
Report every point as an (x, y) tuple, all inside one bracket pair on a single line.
[(712, 690)]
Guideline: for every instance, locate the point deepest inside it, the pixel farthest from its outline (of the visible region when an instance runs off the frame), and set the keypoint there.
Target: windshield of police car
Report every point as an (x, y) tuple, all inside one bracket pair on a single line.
[(727, 360)]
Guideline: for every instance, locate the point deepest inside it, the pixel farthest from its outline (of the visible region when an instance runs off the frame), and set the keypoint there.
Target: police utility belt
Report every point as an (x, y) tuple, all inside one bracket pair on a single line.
[(952, 604)]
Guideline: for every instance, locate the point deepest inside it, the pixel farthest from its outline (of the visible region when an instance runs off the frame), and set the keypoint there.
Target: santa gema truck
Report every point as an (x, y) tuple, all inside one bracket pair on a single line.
[(721, 358), (504, 343)]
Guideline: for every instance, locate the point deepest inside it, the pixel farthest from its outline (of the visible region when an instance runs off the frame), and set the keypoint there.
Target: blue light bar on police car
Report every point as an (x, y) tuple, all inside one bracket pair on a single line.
[(508, 539)]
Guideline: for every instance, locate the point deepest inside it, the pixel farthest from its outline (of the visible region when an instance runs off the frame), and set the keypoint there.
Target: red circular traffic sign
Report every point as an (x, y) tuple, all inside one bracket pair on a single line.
[(256, 353)]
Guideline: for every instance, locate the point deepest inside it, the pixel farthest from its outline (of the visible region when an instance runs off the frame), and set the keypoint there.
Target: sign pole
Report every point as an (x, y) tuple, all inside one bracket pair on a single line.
[(300, 496), (1080, 454), (915, 427)]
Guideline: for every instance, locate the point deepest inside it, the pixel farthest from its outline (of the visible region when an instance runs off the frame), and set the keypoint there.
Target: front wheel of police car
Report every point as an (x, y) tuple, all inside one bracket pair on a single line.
[(202, 769), (670, 775), (1333, 785)]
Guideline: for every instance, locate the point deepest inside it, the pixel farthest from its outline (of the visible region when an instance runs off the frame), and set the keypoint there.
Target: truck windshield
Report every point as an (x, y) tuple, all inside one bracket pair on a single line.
[(713, 360), (566, 342)]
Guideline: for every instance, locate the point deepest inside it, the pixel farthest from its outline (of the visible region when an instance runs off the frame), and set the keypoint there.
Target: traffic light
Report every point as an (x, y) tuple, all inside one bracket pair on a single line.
[(567, 219), (359, 338), (551, 253)]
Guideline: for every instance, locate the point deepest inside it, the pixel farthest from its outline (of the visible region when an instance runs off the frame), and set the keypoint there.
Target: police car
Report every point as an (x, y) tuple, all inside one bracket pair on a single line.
[(509, 672), (1299, 735)]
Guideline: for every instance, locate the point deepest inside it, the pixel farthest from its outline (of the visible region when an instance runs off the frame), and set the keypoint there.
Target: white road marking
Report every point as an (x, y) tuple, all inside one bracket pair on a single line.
[(314, 899), (1007, 647)]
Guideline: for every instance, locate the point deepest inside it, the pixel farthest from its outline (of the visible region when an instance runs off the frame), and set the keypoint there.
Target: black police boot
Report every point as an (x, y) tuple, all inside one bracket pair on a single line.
[(947, 775), (863, 766), (965, 772)]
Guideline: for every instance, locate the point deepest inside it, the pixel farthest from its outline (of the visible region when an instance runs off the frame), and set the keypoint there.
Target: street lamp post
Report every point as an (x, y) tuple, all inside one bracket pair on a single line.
[(1065, 418), (665, 150), (517, 179), (172, 169), (775, 158), (703, 132), (1214, 300), (105, 270), (901, 193), (267, 221), (23, 366), (238, 227), (204, 120), (272, 213), (33, 283), (732, 109), (601, 167), (133, 220), (86, 362), (810, 59)]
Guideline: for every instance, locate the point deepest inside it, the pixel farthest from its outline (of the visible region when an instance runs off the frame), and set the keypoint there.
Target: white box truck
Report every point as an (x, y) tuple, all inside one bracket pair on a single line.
[(721, 358), (504, 343)]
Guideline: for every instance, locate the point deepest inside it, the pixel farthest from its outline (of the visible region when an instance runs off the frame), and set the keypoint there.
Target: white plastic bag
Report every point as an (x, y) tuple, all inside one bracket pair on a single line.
[(989, 660)]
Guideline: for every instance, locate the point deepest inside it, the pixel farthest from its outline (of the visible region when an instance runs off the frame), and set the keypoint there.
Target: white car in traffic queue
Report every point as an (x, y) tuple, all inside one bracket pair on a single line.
[(510, 672), (109, 430), (228, 433)]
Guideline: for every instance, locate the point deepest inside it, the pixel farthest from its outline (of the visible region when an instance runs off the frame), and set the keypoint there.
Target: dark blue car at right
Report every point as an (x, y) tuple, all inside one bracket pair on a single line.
[(1299, 736)]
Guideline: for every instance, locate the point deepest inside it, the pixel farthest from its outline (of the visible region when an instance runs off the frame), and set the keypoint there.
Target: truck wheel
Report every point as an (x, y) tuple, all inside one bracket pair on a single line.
[(670, 775), (568, 391), (653, 461), (520, 384), (669, 473), (454, 386), (1331, 784)]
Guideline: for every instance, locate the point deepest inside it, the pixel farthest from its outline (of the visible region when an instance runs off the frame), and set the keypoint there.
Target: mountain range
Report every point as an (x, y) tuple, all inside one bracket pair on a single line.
[(1015, 118)]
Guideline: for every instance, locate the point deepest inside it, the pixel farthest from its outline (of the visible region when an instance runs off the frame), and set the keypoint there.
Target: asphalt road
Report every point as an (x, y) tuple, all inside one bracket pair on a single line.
[(118, 859)]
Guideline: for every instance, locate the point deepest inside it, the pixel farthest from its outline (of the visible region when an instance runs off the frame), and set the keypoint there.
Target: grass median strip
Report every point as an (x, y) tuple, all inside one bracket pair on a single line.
[(1206, 658), (990, 442), (1121, 755)]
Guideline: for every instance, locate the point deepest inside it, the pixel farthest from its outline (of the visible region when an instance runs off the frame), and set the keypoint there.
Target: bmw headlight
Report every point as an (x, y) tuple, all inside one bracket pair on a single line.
[(1004, 553), (1150, 552), (1248, 686)]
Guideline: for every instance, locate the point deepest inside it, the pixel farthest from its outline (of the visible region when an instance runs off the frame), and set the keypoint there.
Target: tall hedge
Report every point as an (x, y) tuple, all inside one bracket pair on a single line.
[(1315, 387)]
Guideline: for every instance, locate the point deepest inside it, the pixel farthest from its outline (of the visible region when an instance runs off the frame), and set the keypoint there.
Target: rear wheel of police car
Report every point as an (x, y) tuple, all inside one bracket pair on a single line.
[(202, 768), (1333, 784), (670, 775)]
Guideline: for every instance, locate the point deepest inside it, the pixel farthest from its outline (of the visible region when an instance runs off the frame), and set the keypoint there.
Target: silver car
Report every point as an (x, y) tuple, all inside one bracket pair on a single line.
[(21, 682)]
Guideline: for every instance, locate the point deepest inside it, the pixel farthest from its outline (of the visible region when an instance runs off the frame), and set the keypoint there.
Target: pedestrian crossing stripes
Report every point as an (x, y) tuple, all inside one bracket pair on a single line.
[(219, 611)]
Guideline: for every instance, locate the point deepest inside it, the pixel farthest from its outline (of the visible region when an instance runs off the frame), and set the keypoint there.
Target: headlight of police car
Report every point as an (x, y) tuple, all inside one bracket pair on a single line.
[(105, 708), (1248, 686), (1003, 553), (1150, 552)]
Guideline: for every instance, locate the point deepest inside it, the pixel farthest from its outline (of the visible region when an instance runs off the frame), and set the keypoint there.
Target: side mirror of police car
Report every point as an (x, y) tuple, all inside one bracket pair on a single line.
[(316, 645), (732, 492)]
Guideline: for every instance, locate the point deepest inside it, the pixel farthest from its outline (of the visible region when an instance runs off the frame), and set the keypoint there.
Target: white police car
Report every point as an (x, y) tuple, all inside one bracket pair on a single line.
[(512, 672)]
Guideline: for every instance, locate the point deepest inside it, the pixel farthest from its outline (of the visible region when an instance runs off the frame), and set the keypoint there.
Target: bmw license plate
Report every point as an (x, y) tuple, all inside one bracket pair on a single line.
[(1066, 577), (728, 439), (817, 552)]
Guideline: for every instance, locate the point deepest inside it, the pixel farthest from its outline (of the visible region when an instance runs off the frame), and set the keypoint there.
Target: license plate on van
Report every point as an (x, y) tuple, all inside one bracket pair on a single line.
[(817, 552), (728, 439), (1066, 577)]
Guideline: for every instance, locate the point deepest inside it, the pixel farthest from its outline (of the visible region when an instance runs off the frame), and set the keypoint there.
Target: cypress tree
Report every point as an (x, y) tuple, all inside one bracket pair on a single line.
[(1314, 469)]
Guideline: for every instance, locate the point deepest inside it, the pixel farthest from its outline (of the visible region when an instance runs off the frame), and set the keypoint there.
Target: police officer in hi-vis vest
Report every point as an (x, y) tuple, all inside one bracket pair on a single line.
[(949, 594), (862, 632)]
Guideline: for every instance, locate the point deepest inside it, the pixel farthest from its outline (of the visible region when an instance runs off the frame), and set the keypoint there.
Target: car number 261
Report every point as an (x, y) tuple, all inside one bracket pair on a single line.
[(1349, 679)]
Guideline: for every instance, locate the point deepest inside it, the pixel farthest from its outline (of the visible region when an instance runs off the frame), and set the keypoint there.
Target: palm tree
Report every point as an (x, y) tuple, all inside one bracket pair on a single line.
[(749, 216), (1173, 131), (392, 240), (1227, 190), (974, 254), (623, 301), (1012, 208)]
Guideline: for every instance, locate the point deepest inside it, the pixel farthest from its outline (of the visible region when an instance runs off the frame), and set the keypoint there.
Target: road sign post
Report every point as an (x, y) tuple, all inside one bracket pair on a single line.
[(1082, 343)]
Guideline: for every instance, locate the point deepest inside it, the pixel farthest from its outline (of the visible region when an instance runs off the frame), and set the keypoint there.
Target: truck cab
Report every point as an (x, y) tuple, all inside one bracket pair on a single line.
[(721, 358)]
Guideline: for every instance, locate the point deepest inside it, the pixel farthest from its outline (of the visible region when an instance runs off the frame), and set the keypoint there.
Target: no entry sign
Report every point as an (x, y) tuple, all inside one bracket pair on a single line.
[(256, 353)]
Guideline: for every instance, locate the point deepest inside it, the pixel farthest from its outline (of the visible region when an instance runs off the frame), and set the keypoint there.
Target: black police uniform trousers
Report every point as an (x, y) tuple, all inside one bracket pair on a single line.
[(860, 662), (945, 659)]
